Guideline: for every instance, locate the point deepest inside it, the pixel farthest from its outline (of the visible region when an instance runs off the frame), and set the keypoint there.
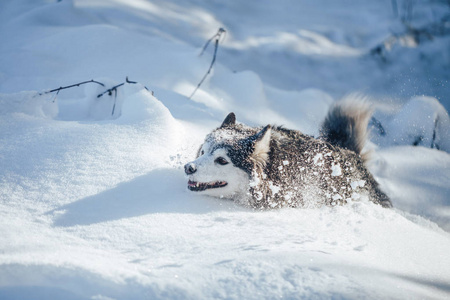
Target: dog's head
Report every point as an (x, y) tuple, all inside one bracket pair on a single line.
[(227, 159)]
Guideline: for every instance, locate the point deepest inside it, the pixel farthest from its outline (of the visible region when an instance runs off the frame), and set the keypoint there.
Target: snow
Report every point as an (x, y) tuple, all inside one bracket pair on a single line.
[(336, 170), (421, 121), (93, 199), (358, 183), (318, 159)]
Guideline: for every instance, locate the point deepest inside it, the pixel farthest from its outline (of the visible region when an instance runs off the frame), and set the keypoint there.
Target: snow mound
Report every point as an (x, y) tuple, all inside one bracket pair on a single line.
[(422, 121)]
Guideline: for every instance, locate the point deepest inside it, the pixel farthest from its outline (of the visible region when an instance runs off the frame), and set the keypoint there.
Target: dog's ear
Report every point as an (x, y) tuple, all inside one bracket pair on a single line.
[(261, 145), (229, 121)]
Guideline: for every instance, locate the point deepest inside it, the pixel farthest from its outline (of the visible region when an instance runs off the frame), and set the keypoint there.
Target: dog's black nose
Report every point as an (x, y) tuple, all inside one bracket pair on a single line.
[(190, 168)]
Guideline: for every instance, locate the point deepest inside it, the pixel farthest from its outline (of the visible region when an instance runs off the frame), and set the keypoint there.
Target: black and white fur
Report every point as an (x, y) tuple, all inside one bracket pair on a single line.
[(273, 167)]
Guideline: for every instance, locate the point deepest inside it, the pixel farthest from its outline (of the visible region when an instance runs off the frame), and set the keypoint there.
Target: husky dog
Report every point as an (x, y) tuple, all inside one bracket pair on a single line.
[(273, 167)]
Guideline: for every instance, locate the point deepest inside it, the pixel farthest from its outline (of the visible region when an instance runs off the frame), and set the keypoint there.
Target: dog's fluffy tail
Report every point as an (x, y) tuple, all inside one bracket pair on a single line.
[(346, 123)]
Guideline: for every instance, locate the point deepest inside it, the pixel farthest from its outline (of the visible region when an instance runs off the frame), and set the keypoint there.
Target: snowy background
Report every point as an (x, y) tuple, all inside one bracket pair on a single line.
[(93, 199)]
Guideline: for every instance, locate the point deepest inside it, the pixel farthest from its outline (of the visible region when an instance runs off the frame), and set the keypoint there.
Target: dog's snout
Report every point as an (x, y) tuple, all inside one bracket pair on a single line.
[(190, 168)]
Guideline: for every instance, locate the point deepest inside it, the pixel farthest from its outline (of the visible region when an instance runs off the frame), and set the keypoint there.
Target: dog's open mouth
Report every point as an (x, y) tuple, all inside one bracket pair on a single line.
[(201, 186)]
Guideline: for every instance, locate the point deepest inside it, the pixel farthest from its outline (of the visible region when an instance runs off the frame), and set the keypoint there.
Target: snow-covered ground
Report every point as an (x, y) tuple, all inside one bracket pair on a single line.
[(93, 199)]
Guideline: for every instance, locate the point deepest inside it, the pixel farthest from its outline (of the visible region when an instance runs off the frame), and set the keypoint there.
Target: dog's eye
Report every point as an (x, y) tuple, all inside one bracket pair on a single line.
[(221, 161), (203, 152)]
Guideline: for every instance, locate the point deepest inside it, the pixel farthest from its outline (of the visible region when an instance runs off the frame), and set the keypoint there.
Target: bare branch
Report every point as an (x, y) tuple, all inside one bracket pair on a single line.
[(70, 86), (109, 91), (216, 46)]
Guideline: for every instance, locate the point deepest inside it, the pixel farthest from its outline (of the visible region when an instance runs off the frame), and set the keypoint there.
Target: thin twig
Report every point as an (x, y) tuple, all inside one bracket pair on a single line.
[(135, 82), (109, 91), (218, 34), (129, 81), (114, 89), (70, 86), (216, 46), (115, 100)]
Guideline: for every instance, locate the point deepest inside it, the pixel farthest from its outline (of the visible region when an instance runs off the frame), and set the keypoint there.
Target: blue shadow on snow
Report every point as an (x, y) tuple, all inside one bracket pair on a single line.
[(160, 191)]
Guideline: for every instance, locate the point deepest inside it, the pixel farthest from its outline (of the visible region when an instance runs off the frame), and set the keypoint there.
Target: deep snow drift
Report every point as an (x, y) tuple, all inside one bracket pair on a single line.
[(93, 199)]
